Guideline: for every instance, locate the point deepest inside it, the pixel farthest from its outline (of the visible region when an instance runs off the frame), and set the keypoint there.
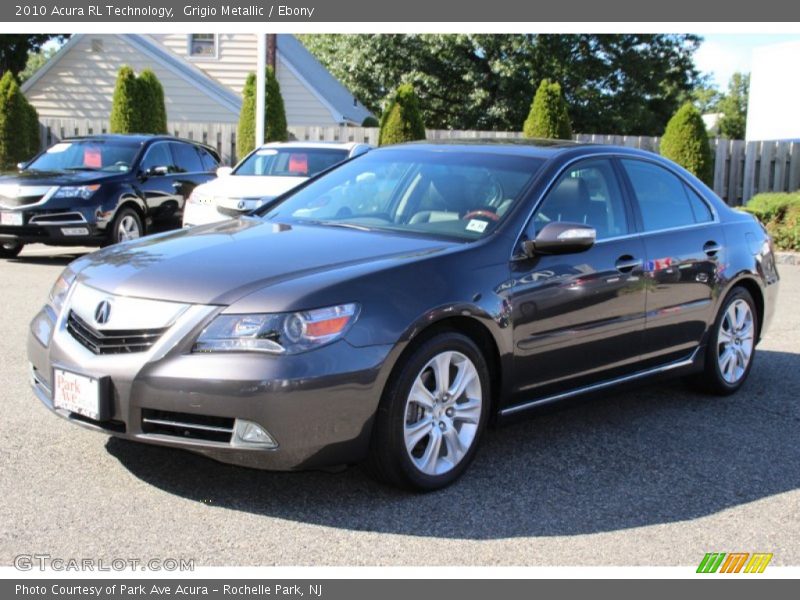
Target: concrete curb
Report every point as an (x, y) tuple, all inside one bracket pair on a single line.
[(787, 258)]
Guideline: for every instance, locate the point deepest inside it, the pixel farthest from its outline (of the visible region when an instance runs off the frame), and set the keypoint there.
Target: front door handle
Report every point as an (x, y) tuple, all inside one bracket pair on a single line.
[(177, 185), (627, 263), (711, 248)]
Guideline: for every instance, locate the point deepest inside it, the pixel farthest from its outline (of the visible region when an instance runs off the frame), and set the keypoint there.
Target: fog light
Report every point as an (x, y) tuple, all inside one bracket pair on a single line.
[(247, 433), (74, 231)]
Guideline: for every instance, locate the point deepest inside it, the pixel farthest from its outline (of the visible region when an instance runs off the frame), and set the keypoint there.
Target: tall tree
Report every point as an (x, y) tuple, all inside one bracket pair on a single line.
[(685, 141), (401, 120), (627, 83), (733, 107), (14, 49)]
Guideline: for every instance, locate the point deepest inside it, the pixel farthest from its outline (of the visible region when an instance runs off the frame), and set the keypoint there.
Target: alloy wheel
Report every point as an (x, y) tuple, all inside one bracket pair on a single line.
[(443, 411), (735, 341), (128, 229)]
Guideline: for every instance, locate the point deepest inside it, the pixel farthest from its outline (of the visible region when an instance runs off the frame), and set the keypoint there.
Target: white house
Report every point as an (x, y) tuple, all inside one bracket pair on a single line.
[(202, 76), (773, 111)]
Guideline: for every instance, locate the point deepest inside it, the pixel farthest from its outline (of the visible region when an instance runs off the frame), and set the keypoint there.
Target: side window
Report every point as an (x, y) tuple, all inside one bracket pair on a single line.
[(187, 160), (587, 193), (665, 201), (157, 155), (209, 162)]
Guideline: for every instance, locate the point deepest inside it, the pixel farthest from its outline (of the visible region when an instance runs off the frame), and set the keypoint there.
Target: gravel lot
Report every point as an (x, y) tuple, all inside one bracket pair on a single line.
[(653, 476)]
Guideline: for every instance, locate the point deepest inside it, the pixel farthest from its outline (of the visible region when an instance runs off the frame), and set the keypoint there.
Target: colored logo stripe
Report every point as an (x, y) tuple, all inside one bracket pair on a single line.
[(734, 562), (758, 562)]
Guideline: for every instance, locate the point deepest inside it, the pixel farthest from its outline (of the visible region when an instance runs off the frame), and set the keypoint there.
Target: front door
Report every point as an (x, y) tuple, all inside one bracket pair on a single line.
[(579, 318)]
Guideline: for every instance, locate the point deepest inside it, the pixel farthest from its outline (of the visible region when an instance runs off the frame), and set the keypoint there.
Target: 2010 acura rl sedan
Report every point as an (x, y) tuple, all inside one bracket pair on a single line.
[(391, 308)]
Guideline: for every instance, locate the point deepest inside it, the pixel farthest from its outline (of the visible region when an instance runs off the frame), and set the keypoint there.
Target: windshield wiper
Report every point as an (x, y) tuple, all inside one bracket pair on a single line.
[(343, 225), (80, 169)]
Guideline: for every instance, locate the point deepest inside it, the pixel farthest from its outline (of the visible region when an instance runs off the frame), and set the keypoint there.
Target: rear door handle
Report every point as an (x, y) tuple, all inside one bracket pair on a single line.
[(711, 248), (627, 263)]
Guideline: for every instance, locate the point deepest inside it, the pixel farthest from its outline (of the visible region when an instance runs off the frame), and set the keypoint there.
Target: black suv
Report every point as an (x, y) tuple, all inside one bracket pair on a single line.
[(99, 190)]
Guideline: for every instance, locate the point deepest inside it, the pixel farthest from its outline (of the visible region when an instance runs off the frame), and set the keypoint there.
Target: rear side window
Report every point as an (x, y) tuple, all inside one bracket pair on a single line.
[(209, 162), (665, 201), (187, 160)]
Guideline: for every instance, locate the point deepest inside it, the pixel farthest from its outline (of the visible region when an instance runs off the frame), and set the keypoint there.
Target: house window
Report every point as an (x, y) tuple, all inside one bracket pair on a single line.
[(203, 45)]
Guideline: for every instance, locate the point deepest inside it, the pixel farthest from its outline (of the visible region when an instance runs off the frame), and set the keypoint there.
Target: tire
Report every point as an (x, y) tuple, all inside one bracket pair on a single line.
[(10, 249), (127, 225), (731, 347), (424, 438)]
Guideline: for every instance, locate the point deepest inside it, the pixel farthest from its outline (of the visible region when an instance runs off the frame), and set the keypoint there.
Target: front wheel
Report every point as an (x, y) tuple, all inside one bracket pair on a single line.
[(432, 414), (127, 225), (731, 349), (10, 249)]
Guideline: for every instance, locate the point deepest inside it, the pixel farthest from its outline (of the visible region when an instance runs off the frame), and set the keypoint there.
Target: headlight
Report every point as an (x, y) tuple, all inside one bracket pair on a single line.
[(60, 289), (74, 191), (285, 333)]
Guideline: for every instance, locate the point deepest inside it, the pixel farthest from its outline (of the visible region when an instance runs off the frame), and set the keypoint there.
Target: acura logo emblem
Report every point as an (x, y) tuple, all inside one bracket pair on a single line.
[(102, 313), (242, 204)]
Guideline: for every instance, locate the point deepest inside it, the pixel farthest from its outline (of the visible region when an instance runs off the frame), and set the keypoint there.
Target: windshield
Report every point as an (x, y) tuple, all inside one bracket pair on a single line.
[(290, 162), (462, 195), (87, 155)]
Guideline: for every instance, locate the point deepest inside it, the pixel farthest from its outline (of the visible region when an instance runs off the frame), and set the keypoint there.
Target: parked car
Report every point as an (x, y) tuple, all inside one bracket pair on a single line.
[(263, 175), (100, 189), (390, 309)]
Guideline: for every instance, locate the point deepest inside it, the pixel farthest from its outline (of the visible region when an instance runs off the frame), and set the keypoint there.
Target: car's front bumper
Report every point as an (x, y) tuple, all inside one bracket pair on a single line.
[(318, 406), (58, 223)]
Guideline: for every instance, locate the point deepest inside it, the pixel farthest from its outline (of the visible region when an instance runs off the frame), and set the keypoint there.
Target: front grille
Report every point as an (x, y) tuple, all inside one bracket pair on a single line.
[(187, 425), (15, 201), (112, 341)]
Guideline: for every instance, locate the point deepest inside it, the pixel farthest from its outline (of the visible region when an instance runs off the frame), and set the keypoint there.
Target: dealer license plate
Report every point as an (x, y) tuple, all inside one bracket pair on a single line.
[(77, 393), (10, 218)]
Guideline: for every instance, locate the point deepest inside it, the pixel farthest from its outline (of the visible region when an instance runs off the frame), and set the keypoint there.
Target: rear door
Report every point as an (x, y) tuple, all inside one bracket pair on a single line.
[(684, 247), (188, 171), (579, 318)]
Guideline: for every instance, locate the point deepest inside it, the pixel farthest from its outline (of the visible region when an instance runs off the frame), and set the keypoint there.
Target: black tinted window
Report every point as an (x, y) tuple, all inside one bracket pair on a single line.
[(209, 162), (187, 160), (588, 193), (702, 213), (664, 200), (157, 156)]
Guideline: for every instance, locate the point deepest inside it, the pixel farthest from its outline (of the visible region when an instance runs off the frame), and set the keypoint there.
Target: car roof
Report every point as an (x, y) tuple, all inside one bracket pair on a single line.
[(539, 148), (138, 138), (323, 145)]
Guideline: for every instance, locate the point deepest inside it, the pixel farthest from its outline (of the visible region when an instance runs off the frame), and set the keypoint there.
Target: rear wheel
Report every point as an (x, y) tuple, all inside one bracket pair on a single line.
[(127, 226), (10, 249), (432, 415), (731, 349)]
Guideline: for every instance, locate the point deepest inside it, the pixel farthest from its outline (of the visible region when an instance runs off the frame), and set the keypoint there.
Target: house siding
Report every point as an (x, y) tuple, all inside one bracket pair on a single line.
[(236, 57), (81, 84)]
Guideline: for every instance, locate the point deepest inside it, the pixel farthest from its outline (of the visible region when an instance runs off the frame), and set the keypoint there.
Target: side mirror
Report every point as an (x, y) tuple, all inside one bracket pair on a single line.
[(561, 237), (21, 166), (224, 171), (156, 171)]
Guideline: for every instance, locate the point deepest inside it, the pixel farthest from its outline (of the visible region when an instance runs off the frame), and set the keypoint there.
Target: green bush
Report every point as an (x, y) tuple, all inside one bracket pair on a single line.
[(548, 117), (19, 125), (780, 214), (686, 142), (401, 121), (125, 114), (138, 103), (370, 121), (275, 127), (151, 99)]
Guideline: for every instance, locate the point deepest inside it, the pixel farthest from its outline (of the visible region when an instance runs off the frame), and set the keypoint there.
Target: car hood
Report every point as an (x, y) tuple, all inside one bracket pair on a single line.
[(52, 178), (245, 186), (222, 262)]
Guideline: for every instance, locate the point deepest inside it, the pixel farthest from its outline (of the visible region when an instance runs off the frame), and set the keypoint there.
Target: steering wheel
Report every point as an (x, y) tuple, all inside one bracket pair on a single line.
[(488, 214)]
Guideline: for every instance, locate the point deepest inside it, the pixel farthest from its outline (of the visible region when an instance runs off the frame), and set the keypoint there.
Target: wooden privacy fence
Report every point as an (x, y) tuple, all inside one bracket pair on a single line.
[(741, 169)]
